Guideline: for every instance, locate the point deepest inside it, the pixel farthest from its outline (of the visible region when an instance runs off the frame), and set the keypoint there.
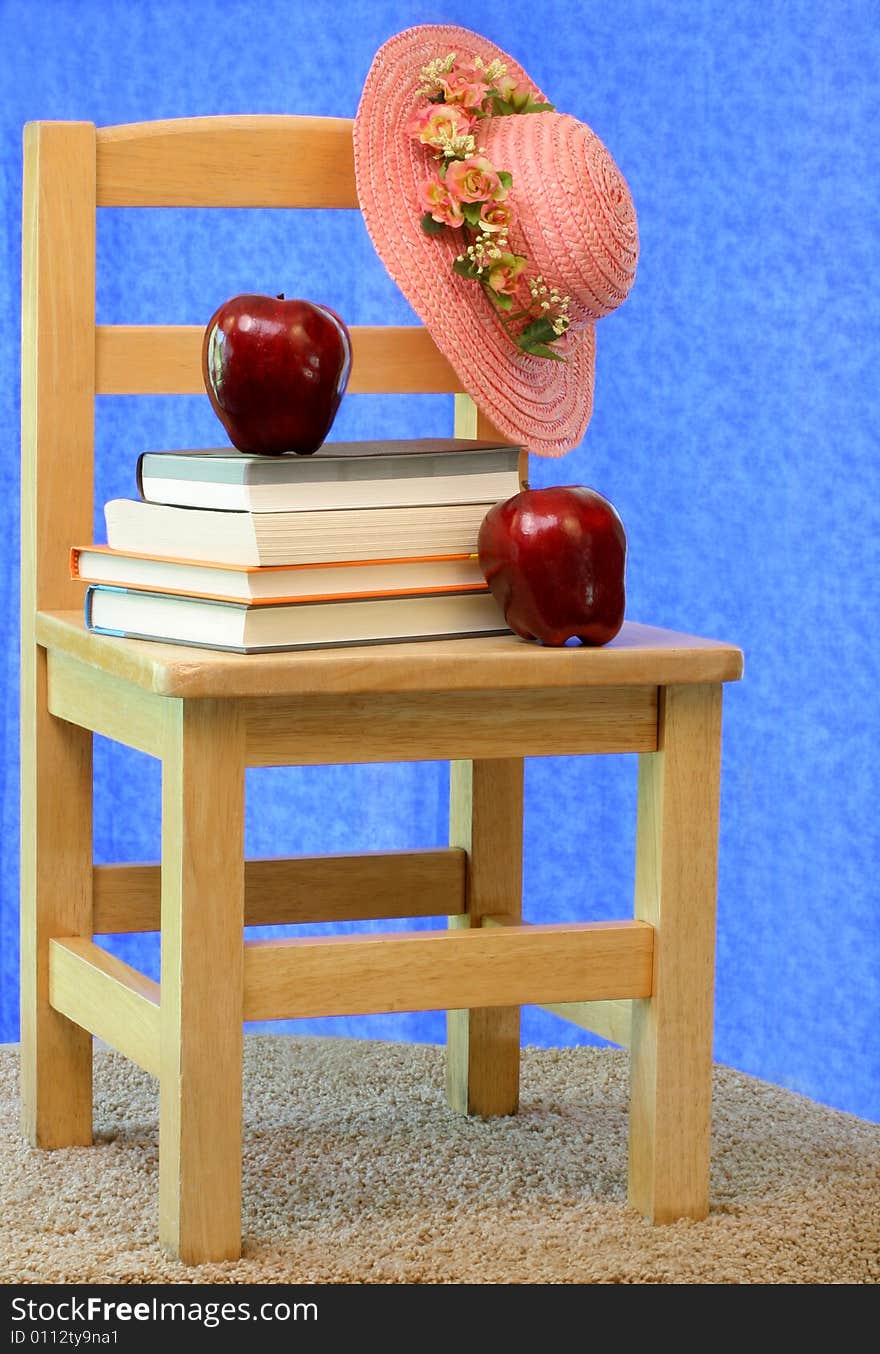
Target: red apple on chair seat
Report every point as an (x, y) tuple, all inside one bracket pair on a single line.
[(275, 371), (555, 561)]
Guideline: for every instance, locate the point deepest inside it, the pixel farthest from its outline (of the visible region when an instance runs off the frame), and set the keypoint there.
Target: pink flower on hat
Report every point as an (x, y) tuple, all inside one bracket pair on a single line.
[(515, 92), (474, 180), (435, 197), (464, 85), (505, 272), (495, 216), (439, 124)]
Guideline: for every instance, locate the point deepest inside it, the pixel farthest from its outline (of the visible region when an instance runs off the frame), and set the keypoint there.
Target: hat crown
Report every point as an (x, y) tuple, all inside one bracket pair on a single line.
[(575, 219)]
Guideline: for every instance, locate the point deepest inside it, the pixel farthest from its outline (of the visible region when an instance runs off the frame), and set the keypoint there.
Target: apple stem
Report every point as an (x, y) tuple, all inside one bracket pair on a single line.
[(280, 296)]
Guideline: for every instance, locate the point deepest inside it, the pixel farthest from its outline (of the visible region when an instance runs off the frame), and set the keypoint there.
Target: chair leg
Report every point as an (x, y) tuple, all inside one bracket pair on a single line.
[(56, 900), (486, 815), (671, 1051), (202, 981)]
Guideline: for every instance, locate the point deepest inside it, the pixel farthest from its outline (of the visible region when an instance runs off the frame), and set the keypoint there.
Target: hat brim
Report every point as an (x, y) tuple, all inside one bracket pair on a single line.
[(544, 405)]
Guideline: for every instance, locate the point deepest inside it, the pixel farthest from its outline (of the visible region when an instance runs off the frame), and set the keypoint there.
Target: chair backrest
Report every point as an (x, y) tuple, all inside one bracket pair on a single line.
[(70, 169)]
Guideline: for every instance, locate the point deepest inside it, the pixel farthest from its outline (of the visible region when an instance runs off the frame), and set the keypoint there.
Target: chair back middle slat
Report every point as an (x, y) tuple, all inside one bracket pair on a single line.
[(167, 360)]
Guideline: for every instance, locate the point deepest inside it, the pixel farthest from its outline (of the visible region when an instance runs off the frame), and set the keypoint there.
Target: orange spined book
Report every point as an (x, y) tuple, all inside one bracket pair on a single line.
[(267, 584)]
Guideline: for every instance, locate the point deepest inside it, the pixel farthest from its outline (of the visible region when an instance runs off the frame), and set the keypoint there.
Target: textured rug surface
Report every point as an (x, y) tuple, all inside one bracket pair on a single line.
[(355, 1171)]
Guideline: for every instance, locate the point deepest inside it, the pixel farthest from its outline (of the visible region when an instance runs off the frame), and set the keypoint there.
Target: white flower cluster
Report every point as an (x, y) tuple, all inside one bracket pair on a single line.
[(456, 145), (434, 72), (494, 71), (550, 299), (485, 251)]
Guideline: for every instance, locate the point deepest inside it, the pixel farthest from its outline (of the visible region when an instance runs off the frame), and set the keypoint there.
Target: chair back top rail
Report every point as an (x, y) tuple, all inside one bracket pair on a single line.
[(262, 160)]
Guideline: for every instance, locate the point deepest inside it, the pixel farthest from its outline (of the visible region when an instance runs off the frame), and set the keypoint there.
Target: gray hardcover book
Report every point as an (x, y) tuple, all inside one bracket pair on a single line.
[(340, 475)]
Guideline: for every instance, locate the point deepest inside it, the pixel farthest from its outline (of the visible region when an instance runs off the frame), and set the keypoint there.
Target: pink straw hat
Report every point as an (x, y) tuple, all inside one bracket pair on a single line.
[(573, 226)]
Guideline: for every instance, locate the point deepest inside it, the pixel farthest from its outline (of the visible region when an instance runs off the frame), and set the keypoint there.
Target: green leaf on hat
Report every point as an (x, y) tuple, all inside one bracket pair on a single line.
[(464, 268), (539, 331), (430, 226), (471, 212), (540, 350), (505, 178), (502, 108), (502, 302)]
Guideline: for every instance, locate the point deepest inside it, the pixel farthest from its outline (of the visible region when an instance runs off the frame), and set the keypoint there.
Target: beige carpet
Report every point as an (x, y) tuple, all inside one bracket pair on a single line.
[(357, 1172)]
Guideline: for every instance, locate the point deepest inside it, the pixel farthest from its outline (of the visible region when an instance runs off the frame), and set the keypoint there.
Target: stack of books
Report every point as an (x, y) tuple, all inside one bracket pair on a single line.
[(364, 542)]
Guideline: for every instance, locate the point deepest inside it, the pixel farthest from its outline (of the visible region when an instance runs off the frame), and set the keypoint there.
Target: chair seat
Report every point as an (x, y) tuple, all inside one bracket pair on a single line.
[(639, 655)]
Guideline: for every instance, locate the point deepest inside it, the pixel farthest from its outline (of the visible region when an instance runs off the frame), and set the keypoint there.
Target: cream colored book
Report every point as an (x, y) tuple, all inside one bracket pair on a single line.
[(292, 537)]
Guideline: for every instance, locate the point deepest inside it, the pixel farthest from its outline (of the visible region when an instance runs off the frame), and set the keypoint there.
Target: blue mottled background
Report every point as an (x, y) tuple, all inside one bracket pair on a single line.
[(736, 430)]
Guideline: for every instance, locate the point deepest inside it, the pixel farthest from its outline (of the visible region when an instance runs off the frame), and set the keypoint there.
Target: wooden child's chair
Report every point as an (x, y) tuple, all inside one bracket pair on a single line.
[(485, 704)]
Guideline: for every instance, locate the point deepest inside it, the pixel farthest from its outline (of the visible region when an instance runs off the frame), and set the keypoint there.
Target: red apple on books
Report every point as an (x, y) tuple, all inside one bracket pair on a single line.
[(275, 372), (555, 560)]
